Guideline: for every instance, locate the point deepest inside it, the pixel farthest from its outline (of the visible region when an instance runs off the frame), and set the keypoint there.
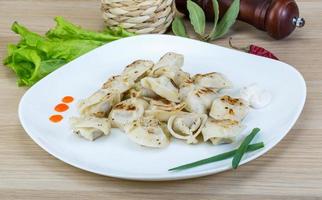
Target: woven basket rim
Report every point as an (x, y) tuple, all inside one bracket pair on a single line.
[(140, 16)]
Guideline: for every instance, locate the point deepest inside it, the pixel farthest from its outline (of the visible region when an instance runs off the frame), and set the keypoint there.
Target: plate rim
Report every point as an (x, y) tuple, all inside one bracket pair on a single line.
[(169, 177)]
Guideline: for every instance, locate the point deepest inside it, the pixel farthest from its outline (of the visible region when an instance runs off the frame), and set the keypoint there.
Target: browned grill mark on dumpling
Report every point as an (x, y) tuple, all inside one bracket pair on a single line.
[(231, 101), (204, 91), (123, 106)]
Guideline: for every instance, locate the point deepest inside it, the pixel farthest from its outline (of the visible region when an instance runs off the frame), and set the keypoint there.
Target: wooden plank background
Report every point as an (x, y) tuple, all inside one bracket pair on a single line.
[(292, 170)]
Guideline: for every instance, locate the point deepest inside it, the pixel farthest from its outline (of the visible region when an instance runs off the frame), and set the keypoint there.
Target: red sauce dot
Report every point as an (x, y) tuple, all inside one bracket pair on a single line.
[(68, 99), (61, 107), (56, 118)]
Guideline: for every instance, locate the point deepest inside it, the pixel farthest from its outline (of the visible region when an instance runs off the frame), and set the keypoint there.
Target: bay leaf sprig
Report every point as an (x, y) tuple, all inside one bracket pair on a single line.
[(227, 20), (198, 21), (178, 27), (216, 18), (197, 17)]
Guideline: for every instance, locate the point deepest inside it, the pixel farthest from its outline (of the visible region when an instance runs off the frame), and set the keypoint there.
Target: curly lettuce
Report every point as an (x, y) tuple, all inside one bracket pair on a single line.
[(36, 56)]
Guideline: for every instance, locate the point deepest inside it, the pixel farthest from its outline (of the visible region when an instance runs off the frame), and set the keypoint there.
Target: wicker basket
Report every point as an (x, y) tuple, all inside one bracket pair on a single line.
[(139, 16)]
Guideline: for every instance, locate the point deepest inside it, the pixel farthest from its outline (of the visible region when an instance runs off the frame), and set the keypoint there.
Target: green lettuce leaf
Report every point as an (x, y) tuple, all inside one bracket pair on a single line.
[(118, 31), (25, 62), (29, 65), (66, 30), (70, 49), (54, 48), (35, 56)]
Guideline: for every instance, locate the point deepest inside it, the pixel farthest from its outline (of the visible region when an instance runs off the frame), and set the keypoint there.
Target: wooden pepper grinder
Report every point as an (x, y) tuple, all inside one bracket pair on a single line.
[(278, 18)]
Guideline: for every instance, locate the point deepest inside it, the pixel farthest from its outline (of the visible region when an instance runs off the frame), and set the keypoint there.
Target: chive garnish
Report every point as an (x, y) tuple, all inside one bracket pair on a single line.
[(219, 157), (243, 148)]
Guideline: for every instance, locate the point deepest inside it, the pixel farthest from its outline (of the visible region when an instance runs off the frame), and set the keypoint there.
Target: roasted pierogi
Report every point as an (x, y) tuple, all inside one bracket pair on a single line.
[(212, 80), (171, 60), (119, 83), (158, 103), (152, 102), (226, 107), (90, 128), (148, 131), (198, 99), (139, 91), (181, 78), (170, 66), (221, 131), (137, 69), (162, 86), (127, 111), (187, 126), (100, 103), (163, 109)]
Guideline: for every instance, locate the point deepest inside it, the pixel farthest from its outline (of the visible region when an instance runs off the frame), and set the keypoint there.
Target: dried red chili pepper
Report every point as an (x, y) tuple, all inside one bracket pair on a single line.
[(256, 50)]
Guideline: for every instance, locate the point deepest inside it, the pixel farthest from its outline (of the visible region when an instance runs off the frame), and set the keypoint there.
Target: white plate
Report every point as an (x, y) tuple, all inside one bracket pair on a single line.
[(115, 155)]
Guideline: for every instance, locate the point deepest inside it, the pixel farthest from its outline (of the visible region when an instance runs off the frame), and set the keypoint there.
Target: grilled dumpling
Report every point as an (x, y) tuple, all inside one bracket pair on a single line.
[(127, 111), (171, 60), (163, 109), (162, 86), (119, 83), (176, 75), (100, 103), (137, 69), (139, 91), (170, 66), (187, 126), (148, 131), (186, 86), (151, 102), (212, 80), (165, 71), (90, 128), (198, 99), (181, 78), (221, 131), (226, 107)]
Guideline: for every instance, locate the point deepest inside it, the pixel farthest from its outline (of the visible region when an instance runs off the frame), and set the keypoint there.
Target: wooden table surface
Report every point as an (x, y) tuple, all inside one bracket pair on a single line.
[(292, 170)]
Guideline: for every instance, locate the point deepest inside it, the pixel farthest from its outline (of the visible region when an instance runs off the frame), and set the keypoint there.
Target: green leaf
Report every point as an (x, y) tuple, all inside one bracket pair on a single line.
[(118, 32), (27, 37), (220, 157), (11, 48), (216, 17), (35, 56), (56, 48), (178, 27), (243, 147), (29, 65), (227, 20), (69, 49), (66, 30), (24, 61), (197, 17), (48, 66)]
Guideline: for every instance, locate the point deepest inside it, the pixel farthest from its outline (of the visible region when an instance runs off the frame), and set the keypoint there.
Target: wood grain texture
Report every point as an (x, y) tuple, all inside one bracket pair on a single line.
[(292, 170)]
